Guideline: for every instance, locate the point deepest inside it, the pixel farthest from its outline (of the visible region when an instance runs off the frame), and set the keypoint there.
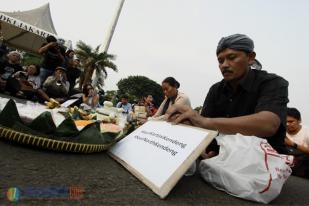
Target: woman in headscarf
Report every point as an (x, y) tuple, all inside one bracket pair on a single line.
[(172, 96)]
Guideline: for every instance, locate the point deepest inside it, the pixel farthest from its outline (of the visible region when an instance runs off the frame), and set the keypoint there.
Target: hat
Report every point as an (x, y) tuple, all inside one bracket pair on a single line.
[(239, 42), (61, 68)]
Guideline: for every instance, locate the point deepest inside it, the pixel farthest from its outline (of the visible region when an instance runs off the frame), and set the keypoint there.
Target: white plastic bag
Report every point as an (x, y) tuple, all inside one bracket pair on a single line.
[(247, 167)]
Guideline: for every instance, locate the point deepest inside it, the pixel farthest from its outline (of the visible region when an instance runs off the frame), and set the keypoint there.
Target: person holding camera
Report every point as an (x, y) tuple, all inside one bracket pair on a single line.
[(25, 83), (90, 96), (53, 53)]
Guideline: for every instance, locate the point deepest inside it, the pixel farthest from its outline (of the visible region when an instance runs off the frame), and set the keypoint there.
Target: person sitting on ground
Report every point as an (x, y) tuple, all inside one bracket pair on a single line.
[(247, 101), (9, 67), (124, 104), (53, 57), (172, 96), (90, 96), (68, 58), (297, 135), (73, 72), (25, 83), (150, 107), (297, 138), (3, 49), (57, 86)]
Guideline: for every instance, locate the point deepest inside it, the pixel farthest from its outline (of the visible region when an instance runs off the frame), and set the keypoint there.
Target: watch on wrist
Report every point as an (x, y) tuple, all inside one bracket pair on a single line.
[(295, 145)]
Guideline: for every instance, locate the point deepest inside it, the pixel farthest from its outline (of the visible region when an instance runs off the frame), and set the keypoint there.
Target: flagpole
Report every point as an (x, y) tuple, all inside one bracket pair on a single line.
[(112, 28), (104, 47)]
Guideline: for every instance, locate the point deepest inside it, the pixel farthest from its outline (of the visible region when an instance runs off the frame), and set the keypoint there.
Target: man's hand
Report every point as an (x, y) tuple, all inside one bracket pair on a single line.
[(288, 141), (58, 76), (183, 114), (52, 44)]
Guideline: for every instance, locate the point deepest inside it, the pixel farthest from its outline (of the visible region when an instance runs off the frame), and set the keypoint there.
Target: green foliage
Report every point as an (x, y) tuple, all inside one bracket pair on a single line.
[(139, 86), (31, 59), (92, 58), (111, 95)]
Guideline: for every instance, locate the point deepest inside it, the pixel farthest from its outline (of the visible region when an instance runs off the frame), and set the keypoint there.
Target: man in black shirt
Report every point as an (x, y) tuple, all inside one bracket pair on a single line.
[(53, 57), (247, 101), (73, 72)]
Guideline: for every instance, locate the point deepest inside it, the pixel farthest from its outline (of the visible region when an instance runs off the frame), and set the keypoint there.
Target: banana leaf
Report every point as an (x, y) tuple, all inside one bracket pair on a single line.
[(42, 132)]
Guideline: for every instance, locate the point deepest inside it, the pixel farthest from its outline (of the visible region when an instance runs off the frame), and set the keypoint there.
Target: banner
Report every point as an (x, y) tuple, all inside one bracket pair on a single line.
[(159, 153)]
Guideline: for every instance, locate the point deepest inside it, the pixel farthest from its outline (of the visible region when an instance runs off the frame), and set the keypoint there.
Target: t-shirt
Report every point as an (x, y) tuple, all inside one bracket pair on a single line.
[(35, 81), (258, 91), (126, 107), (72, 74), (302, 137), (7, 69), (56, 89), (181, 99), (51, 59)]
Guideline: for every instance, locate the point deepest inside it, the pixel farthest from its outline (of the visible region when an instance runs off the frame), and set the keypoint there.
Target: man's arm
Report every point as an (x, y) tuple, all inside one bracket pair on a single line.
[(49, 81), (261, 124), (301, 148), (160, 110), (44, 48)]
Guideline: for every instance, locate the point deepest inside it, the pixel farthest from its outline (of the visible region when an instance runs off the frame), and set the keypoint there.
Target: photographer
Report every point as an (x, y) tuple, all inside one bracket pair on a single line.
[(90, 96), (53, 57), (25, 83)]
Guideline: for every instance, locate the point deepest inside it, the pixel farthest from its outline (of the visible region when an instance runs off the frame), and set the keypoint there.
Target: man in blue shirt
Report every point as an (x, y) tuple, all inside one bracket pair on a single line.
[(124, 104)]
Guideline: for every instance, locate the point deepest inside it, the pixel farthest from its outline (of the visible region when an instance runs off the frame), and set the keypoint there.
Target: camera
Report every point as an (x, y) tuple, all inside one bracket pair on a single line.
[(60, 42), (23, 75)]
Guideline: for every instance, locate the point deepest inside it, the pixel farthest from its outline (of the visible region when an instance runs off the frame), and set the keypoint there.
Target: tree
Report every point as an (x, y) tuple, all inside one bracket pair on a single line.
[(139, 86), (93, 60), (29, 58)]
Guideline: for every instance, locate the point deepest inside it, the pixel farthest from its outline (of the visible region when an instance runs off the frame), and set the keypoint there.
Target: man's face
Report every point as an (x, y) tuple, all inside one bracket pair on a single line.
[(234, 64), (14, 58), (124, 101), (59, 72), (292, 124), (71, 54), (76, 63)]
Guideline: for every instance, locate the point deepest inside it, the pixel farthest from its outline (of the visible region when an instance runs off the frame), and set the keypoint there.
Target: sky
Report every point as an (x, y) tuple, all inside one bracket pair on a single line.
[(161, 38)]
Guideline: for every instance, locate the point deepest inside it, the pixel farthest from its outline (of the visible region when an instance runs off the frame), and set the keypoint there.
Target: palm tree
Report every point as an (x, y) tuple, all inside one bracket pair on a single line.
[(93, 60)]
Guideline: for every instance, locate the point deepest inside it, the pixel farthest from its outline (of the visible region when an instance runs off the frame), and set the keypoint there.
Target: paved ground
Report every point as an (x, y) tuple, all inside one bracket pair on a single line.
[(108, 183)]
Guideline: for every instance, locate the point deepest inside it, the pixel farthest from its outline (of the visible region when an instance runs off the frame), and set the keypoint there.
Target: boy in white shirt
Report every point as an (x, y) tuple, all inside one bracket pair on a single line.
[(297, 138)]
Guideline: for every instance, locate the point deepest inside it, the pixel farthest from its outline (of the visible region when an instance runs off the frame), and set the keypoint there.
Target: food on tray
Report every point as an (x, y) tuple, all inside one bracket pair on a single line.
[(108, 104), (80, 123), (52, 103), (109, 127)]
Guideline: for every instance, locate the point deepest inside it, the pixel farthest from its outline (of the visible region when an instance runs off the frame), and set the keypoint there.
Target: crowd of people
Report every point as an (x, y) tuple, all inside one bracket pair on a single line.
[(248, 100), (54, 78)]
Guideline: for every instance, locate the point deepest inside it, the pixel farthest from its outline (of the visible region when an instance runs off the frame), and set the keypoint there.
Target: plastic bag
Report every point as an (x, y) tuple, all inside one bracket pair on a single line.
[(247, 167)]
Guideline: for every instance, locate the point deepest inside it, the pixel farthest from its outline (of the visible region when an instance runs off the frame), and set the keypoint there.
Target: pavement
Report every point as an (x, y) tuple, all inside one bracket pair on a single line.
[(105, 182)]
